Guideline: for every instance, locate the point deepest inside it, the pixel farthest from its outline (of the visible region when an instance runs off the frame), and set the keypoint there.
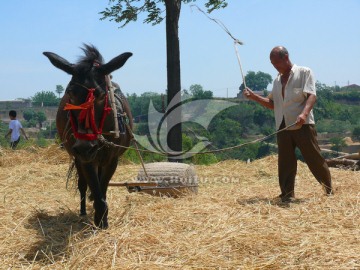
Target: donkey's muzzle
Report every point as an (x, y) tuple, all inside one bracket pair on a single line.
[(85, 150)]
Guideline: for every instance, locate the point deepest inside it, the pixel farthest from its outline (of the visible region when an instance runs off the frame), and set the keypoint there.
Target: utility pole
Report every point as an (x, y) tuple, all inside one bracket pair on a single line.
[(50, 129)]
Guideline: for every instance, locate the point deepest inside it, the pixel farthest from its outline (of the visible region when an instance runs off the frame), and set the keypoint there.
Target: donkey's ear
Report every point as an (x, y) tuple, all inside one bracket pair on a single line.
[(115, 63), (60, 62)]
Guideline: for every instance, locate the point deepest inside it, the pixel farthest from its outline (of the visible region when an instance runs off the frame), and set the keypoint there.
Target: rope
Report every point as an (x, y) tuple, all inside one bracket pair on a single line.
[(236, 41), (218, 22), (111, 144)]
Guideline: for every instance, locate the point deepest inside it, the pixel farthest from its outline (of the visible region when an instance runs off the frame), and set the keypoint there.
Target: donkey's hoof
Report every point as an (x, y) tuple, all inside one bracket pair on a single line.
[(103, 225)]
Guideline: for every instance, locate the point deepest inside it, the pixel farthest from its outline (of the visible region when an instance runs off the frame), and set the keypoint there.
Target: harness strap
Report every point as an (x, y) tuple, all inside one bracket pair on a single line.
[(87, 115)]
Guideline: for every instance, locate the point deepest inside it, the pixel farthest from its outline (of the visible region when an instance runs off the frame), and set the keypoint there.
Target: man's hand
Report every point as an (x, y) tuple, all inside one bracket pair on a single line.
[(301, 119), (248, 93), (310, 101), (264, 101)]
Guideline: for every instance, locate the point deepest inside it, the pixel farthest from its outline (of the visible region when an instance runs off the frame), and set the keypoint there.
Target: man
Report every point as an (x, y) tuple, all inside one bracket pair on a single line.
[(14, 130), (292, 99)]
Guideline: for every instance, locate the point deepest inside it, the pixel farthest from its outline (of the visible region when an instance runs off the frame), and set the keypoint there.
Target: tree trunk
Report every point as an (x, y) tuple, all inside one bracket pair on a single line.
[(174, 137), (344, 163)]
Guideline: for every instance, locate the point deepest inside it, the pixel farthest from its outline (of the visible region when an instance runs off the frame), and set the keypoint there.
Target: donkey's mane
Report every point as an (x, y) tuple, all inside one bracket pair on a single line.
[(86, 62)]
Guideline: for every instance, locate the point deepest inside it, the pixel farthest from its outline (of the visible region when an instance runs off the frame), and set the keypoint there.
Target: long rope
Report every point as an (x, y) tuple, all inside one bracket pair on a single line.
[(236, 41), (111, 144), (220, 24)]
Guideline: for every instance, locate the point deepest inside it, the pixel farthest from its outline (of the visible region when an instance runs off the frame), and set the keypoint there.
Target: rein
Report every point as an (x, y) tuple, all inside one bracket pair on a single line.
[(87, 116), (113, 145)]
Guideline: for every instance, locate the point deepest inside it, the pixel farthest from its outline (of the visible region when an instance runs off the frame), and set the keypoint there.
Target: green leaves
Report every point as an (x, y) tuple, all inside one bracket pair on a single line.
[(257, 81), (125, 11), (215, 4), (33, 118), (45, 98)]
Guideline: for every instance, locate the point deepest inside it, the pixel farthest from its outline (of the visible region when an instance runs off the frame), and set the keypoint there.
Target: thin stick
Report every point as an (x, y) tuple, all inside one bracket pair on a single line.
[(238, 58), (133, 184), (113, 106), (142, 161), (42, 230)]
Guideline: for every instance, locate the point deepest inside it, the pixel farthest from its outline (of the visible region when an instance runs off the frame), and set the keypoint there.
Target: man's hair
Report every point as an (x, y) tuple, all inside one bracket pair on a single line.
[(280, 51), (12, 113)]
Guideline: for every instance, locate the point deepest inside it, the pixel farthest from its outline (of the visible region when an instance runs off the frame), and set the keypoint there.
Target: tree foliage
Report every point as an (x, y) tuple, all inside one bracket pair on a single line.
[(351, 96), (59, 89), (337, 143), (34, 118), (256, 81), (45, 98), (140, 104), (126, 11), (198, 92), (356, 133)]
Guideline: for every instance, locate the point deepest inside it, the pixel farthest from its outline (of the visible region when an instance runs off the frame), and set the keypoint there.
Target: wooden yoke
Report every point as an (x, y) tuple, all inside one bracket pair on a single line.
[(111, 89)]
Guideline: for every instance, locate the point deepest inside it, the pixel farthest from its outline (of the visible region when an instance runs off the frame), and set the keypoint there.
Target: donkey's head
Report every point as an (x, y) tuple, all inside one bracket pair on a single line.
[(87, 96)]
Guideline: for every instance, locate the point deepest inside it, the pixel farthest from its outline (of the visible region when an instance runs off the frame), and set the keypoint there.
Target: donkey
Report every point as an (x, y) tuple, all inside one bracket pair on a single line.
[(85, 120)]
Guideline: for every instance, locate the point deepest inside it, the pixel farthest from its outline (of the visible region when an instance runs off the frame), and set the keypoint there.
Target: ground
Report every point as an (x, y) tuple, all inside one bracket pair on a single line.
[(234, 222)]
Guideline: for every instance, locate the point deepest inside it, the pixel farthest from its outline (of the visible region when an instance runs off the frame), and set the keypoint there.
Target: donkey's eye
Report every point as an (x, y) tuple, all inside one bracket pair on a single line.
[(69, 92)]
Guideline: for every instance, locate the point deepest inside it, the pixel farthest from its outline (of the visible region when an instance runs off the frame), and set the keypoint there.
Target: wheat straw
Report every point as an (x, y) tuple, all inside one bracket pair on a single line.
[(233, 223)]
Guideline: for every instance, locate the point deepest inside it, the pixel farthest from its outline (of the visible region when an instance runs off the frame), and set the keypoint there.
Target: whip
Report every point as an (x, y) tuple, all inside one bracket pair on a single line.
[(236, 41)]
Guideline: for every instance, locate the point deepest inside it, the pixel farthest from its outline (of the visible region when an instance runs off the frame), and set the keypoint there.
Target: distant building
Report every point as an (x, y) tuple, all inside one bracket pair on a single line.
[(15, 104), (21, 105), (351, 87)]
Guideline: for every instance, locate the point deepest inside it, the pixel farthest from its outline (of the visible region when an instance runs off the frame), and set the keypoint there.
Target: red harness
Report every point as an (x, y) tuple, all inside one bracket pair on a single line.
[(87, 115)]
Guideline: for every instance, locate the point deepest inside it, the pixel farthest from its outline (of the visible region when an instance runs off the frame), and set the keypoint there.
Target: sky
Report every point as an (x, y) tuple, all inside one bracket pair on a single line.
[(321, 34)]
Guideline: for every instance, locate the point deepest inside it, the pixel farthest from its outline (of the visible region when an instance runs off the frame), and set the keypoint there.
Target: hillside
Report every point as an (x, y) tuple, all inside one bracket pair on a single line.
[(233, 222)]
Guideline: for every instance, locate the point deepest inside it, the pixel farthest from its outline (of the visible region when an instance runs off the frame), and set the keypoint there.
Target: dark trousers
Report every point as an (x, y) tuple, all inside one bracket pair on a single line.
[(305, 139), (14, 143)]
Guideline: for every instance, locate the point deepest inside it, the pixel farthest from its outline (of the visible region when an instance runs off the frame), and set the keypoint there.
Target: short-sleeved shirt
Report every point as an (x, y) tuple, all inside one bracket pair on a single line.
[(15, 125), (300, 83)]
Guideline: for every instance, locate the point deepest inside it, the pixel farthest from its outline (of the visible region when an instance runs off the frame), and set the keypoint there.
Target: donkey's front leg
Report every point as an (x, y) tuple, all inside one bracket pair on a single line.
[(82, 186), (101, 210), (106, 172)]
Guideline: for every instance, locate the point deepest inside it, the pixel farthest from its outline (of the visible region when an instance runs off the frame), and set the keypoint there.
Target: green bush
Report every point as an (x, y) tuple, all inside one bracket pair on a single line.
[(204, 159), (356, 133)]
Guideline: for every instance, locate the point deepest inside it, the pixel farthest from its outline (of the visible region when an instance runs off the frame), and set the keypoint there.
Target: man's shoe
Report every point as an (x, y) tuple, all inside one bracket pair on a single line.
[(287, 199)]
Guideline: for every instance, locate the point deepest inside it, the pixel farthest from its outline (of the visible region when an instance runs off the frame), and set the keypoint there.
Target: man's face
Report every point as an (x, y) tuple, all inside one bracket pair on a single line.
[(280, 64)]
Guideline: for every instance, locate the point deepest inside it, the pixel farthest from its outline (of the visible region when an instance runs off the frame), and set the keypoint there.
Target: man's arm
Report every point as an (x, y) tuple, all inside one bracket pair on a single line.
[(264, 101), (310, 101)]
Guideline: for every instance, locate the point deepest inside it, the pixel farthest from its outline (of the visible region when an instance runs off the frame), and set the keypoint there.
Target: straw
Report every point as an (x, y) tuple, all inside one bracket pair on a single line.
[(233, 223)]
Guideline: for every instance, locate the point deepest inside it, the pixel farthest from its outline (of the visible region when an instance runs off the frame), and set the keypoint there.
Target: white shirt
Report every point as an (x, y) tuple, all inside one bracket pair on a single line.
[(15, 125), (300, 83)]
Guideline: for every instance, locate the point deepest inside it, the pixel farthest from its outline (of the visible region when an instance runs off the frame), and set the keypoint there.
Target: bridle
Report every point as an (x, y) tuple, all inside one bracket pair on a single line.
[(87, 115)]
